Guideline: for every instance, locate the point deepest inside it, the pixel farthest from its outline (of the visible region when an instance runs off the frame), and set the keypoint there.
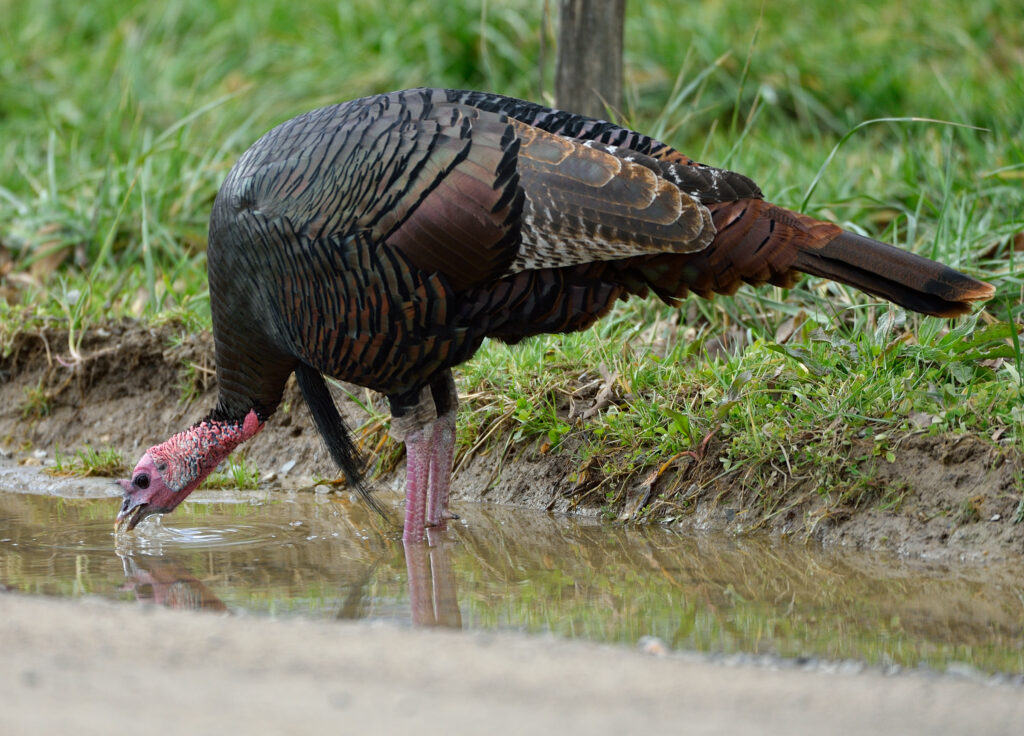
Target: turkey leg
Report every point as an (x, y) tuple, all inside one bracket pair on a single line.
[(429, 452), (417, 480), (442, 452)]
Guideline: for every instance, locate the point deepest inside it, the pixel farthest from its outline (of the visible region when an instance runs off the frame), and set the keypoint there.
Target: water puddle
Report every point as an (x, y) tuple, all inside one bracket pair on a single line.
[(507, 569)]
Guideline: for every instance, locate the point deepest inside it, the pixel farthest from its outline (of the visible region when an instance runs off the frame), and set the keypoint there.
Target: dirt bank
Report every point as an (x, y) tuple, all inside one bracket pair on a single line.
[(948, 497), (95, 667)]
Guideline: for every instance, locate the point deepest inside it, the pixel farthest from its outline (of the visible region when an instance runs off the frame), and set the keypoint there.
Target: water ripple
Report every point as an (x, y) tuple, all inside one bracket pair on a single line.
[(233, 535)]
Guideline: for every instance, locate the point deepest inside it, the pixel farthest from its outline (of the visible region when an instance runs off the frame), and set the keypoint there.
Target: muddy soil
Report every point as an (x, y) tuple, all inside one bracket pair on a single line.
[(131, 387)]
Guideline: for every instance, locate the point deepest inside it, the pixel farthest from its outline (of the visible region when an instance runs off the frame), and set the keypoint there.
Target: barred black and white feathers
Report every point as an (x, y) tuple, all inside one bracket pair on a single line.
[(381, 240)]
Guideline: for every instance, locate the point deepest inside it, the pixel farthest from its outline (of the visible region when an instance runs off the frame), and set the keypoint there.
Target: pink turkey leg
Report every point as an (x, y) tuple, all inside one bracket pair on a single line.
[(417, 476), (442, 452)]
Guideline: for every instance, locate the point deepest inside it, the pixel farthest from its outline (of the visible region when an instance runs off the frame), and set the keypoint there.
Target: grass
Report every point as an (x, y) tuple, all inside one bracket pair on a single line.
[(89, 462), (235, 472), (36, 404), (119, 121), (782, 412)]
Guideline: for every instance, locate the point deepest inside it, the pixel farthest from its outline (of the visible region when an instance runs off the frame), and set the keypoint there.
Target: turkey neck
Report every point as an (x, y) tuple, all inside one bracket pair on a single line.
[(189, 456)]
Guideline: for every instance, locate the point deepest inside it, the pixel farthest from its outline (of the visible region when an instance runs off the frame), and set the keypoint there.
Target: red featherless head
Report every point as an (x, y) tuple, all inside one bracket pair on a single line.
[(167, 473)]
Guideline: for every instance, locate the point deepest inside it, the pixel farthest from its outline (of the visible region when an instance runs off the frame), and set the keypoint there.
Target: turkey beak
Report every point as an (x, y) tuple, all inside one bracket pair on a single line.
[(131, 513), (129, 516)]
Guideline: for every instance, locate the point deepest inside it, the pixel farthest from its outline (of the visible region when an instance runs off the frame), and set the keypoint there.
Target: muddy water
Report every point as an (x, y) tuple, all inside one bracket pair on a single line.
[(323, 556)]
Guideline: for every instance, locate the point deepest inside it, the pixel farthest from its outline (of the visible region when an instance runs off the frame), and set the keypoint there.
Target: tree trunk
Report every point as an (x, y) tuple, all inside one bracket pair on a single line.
[(588, 72)]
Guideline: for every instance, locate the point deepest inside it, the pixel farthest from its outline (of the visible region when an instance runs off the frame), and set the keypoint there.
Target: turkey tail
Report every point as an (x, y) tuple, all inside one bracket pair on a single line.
[(903, 278), (757, 242), (334, 431)]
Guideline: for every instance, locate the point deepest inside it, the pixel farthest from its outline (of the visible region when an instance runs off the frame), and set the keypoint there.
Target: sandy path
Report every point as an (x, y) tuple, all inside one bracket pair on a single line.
[(95, 667)]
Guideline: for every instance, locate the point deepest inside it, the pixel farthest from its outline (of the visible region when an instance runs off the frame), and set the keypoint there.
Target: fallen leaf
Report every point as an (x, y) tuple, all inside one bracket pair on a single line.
[(922, 420)]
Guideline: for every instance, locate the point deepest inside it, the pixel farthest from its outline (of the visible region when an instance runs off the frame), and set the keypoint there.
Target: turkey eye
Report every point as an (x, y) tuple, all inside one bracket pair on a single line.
[(141, 480)]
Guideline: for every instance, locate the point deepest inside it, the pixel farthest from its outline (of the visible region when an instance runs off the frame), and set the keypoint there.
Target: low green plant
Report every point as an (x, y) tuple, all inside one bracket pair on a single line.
[(236, 473), (37, 402), (88, 461)]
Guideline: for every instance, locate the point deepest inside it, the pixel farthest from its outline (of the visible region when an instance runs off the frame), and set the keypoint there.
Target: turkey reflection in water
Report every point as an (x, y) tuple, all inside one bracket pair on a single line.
[(499, 568)]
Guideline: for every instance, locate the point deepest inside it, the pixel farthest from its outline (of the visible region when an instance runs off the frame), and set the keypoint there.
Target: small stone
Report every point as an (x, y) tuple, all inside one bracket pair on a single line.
[(287, 467), (321, 488), (965, 670), (851, 667), (996, 517), (39, 454), (653, 645)]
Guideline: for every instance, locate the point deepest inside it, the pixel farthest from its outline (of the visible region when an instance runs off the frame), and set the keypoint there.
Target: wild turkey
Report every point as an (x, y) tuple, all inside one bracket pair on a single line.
[(381, 240)]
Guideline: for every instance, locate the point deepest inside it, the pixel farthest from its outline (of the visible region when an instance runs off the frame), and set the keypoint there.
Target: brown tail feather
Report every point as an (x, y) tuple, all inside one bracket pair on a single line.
[(901, 277), (758, 243)]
